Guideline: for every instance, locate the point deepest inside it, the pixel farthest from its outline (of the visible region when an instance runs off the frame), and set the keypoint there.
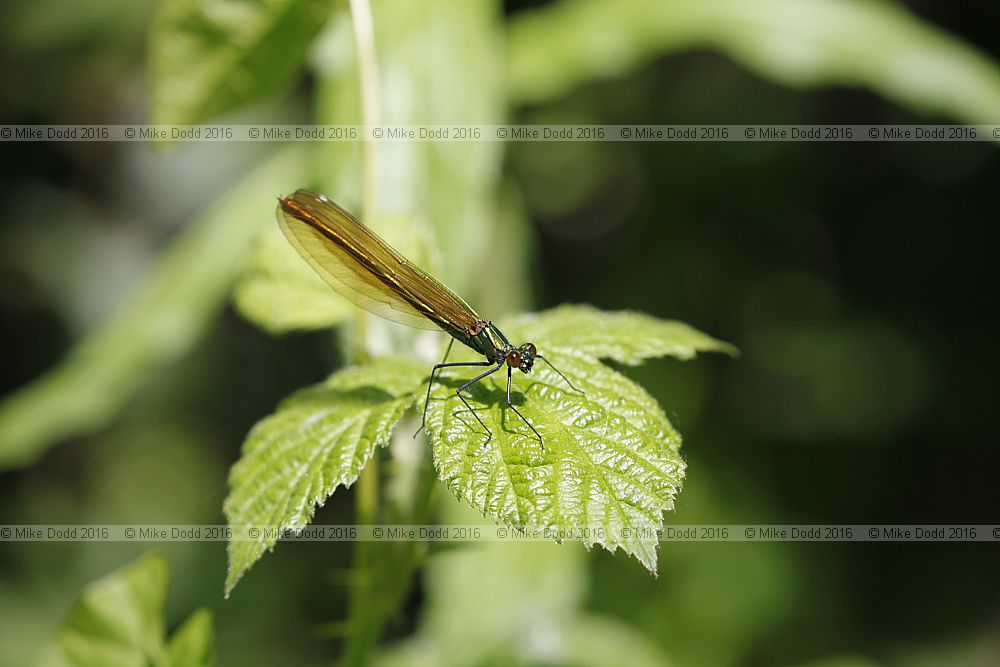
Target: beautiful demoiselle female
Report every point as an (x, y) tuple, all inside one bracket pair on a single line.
[(372, 275)]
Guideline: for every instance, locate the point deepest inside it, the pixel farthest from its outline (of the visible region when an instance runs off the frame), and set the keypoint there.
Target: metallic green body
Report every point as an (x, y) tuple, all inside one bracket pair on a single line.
[(489, 342)]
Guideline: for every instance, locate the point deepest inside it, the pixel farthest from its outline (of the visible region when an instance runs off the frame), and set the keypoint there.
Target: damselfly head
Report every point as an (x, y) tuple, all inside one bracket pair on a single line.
[(522, 358)]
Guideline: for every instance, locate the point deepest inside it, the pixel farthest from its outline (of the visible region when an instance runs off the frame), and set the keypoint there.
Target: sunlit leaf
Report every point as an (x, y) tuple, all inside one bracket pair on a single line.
[(879, 45), (167, 313), (610, 462), (118, 622), (610, 465), (317, 440), (209, 56), (625, 337)]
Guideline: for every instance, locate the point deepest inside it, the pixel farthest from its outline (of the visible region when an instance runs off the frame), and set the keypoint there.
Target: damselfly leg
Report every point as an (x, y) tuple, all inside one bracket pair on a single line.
[(497, 366), (468, 384), (430, 382), (513, 407)]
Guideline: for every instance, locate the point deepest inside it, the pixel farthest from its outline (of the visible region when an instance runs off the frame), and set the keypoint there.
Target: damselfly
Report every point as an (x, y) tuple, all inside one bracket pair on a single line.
[(371, 274)]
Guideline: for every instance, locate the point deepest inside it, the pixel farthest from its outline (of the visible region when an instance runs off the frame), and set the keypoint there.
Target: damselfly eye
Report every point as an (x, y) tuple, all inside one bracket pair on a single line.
[(532, 350), (514, 359)]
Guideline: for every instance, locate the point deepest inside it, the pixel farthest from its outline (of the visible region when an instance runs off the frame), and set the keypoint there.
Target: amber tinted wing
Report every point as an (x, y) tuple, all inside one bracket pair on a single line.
[(365, 269)]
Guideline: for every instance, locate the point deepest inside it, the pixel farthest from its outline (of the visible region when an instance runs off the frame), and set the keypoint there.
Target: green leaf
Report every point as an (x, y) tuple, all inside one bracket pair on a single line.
[(879, 45), (170, 309), (610, 464), (317, 440), (209, 56), (281, 293), (192, 644), (611, 459), (118, 622), (625, 337)]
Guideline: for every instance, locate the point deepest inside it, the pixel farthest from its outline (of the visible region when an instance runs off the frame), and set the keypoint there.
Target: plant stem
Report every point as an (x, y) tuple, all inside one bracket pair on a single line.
[(365, 621), (364, 40)]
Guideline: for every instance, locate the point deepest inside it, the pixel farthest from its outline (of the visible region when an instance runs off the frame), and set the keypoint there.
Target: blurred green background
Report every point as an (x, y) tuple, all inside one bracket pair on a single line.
[(855, 278)]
